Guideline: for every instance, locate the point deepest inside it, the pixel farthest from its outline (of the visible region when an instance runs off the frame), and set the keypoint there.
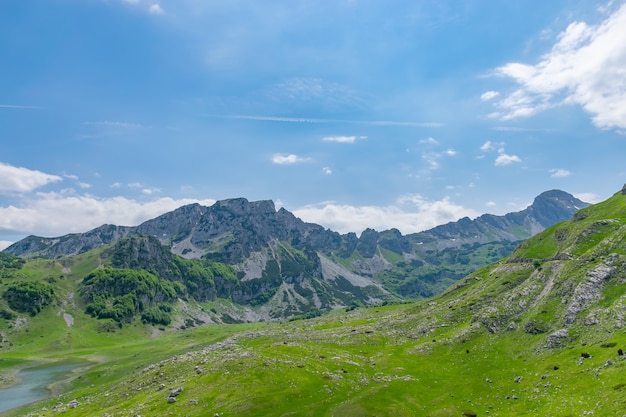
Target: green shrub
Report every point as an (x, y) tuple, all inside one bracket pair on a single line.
[(29, 296), (161, 314)]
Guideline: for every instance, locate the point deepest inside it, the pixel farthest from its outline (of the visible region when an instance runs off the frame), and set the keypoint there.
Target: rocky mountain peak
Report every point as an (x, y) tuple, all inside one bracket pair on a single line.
[(241, 206), (550, 207)]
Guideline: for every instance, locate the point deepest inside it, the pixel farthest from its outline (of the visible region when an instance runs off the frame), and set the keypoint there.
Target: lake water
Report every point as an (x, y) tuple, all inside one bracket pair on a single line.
[(33, 383)]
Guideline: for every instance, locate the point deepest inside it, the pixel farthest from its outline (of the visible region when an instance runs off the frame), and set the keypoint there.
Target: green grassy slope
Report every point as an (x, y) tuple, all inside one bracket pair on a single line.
[(537, 334)]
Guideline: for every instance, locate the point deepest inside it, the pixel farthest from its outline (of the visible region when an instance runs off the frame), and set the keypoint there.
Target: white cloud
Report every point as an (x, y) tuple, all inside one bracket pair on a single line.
[(18, 179), (150, 191), (47, 215), (487, 146), (156, 9), (489, 95), (429, 141), (588, 197), (327, 170), (504, 159), (343, 139), (135, 185), (490, 204), (451, 152), (283, 159), (586, 66), (559, 173), (432, 159), (411, 214), (5, 244)]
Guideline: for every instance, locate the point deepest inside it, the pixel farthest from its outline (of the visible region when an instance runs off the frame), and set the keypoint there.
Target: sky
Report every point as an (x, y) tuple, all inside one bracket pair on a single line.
[(349, 113)]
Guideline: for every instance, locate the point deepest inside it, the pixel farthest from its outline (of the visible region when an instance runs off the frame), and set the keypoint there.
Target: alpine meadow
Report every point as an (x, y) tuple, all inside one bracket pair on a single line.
[(538, 332)]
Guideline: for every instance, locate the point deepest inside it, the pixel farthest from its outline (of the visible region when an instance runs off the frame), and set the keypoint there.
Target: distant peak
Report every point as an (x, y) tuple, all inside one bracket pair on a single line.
[(557, 195), (241, 205)]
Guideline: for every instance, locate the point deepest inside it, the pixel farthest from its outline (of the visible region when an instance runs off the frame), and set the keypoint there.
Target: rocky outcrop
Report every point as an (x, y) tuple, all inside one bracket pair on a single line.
[(587, 292)]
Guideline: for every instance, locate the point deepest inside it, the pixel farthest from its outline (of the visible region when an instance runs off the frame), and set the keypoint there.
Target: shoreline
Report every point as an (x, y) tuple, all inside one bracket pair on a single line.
[(56, 387)]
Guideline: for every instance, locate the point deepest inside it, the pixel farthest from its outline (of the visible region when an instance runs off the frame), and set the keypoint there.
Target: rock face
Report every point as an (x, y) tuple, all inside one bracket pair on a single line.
[(261, 242)]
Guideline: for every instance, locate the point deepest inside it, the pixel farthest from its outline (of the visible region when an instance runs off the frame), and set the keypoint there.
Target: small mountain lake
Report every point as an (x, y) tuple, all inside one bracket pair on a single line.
[(33, 383)]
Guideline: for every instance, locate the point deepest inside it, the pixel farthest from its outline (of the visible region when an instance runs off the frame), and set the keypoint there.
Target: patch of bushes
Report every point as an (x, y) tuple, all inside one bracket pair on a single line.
[(107, 326), (8, 261), (120, 294), (161, 314), (29, 296), (7, 314), (314, 312)]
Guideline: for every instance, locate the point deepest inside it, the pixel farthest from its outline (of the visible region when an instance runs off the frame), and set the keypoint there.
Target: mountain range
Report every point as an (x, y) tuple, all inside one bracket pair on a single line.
[(539, 332), (277, 266)]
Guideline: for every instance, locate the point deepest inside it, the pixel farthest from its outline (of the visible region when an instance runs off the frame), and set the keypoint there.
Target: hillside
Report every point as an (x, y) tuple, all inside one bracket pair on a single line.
[(256, 240), (540, 332)]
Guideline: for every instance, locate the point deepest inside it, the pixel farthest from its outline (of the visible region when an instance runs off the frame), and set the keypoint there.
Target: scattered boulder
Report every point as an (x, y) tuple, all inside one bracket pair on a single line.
[(558, 338)]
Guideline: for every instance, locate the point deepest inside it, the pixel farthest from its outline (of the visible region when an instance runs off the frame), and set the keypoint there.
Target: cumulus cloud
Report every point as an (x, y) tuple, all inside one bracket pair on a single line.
[(559, 173), (588, 197), (487, 146), (429, 141), (150, 191), (284, 159), (410, 214), (18, 179), (586, 66), (503, 159), (47, 213), (489, 95), (327, 170), (343, 139)]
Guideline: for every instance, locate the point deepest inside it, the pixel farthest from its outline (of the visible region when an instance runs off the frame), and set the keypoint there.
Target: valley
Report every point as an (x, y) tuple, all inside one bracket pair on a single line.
[(538, 332)]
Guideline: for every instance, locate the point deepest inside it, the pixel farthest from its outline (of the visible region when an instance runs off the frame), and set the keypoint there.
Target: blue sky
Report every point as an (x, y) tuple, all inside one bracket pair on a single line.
[(349, 113)]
